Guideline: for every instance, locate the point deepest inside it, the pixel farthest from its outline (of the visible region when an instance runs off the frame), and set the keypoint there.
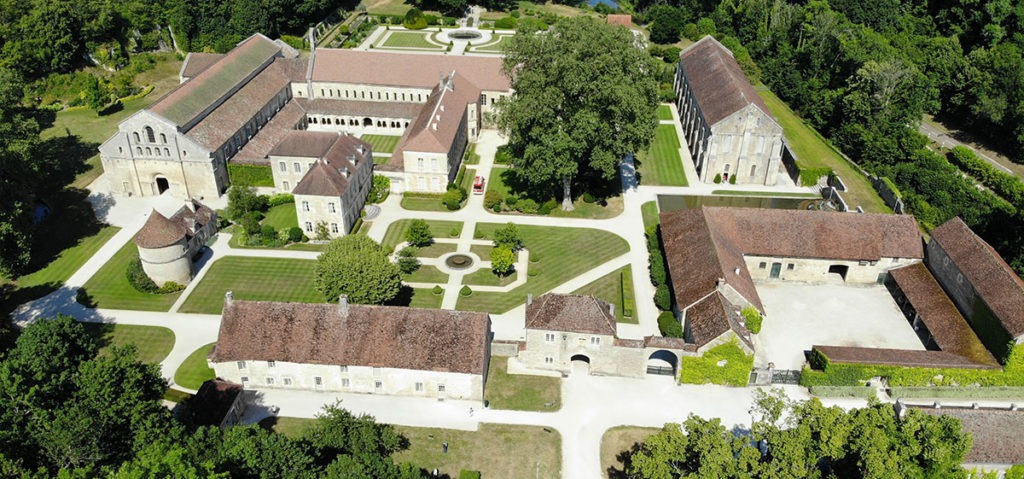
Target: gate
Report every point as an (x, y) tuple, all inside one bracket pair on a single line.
[(767, 377), (661, 370)]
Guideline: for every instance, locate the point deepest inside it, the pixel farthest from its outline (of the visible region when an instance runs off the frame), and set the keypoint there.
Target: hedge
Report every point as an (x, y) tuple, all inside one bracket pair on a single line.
[(250, 175), (825, 372), (809, 176), (1003, 184), (464, 474), (949, 392), (626, 291), (705, 369), (670, 326), (843, 391)]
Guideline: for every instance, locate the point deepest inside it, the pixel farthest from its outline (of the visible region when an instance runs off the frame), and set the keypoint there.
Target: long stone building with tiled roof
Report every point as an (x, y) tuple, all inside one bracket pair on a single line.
[(240, 105), (343, 347), (729, 129)]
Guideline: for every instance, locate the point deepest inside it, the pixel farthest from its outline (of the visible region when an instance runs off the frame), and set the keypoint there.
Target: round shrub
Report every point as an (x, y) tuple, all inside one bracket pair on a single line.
[(732, 180), (663, 297), (438, 290), (670, 326), (718, 178), (295, 234), (528, 207), (752, 318), (588, 198), (268, 232), (511, 201), (533, 272), (454, 231), (465, 291), (492, 199), (548, 206), (452, 199)]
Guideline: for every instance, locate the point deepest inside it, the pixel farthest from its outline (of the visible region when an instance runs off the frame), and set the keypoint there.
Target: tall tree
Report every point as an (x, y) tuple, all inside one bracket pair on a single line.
[(357, 266), (584, 96)]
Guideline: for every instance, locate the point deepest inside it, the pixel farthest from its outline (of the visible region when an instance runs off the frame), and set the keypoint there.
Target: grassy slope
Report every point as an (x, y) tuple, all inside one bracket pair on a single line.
[(260, 279), (109, 287)]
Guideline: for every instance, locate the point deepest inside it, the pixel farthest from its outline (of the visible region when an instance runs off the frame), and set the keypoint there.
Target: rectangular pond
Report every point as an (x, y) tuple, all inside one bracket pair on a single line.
[(686, 202)]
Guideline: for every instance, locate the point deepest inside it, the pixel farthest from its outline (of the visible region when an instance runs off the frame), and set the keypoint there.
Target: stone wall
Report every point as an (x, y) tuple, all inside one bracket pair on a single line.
[(817, 270), (171, 263)]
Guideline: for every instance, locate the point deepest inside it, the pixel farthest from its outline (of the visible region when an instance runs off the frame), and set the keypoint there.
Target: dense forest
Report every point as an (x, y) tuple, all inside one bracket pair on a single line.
[(864, 72)]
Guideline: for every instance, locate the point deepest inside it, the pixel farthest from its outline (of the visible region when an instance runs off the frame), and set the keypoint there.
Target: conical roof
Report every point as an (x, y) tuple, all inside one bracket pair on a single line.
[(159, 232)]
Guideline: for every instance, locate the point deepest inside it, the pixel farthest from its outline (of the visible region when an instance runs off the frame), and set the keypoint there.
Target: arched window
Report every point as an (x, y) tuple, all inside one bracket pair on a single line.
[(184, 153), (157, 151), (167, 152), (150, 137), (163, 138), (120, 150), (138, 149), (753, 170), (149, 151), (136, 135)]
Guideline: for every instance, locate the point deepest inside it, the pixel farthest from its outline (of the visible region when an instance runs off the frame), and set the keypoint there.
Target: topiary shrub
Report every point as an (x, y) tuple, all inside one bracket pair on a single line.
[(465, 291), (752, 318), (295, 234), (718, 178), (407, 262), (509, 237), (454, 231), (670, 326), (138, 278), (732, 180), (438, 290), (268, 232), (663, 297), (588, 198)]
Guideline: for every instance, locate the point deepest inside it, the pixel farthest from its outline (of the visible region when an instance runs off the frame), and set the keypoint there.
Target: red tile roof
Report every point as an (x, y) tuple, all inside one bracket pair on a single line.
[(330, 175), (284, 122), (899, 357), (405, 69), (305, 144), (570, 313), (218, 126), (993, 279), (996, 433), (376, 336), (938, 313), (719, 84), (159, 232), (437, 125)]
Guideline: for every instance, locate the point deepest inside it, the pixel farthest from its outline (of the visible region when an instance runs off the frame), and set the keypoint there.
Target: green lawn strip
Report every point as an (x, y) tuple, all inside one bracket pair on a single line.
[(382, 143), (425, 298), (416, 203), (521, 392), (471, 157), (494, 47), (409, 40), (705, 369), (436, 250), (68, 261), (664, 112), (482, 250), (487, 450), (252, 175), (609, 288), (561, 254), (486, 277), (282, 217), (109, 287), (256, 279), (153, 343), (175, 395), (649, 211), (766, 194), (426, 274), (661, 164), (812, 151), (306, 246), (613, 207), (396, 231), (194, 370)]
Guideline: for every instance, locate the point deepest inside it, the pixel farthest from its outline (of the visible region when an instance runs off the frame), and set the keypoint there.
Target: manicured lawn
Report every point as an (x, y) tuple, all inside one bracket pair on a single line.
[(109, 287), (502, 177), (422, 203), (496, 450), (705, 369), (494, 46), (436, 250), (252, 175), (812, 151), (556, 254), (425, 298), (409, 40), (282, 217), (482, 250), (649, 211), (194, 370), (664, 112), (765, 194), (382, 143), (609, 288), (520, 392), (486, 277), (618, 442), (661, 164), (396, 231), (426, 274), (153, 343), (258, 279), (293, 427)]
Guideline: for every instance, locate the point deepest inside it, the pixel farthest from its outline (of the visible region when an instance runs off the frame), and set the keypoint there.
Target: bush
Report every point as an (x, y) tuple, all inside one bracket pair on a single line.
[(663, 297), (407, 262), (464, 474), (734, 372), (826, 372), (509, 237), (465, 291), (528, 207), (718, 178), (503, 260), (268, 232), (280, 199), (511, 201), (588, 198), (507, 23), (1003, 184), (454, 231), (380, 189), (732, 180), (452, 199), (438, 290), (250, 222), (138, 278), (626, 293), (295, 234), (242, 200), (492, 199), (670, 326), (810, 176), (169, 287), (419, 233), (548, 206), (659, 275), (752, 317)]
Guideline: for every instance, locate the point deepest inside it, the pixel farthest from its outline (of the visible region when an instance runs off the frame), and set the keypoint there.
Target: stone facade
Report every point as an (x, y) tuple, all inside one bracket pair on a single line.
[(809, 270), (168, 245)]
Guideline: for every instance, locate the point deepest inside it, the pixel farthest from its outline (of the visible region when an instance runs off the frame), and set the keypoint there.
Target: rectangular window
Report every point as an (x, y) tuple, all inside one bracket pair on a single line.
[(270, 381), (595, 341), (305, 206), (378, 384), (297, 166), (549, 360), (790, 266), (345, 382), (760, 142), (419, 164), (241, 364), (762, 265), (309, 227), (419, 387), (283, 167), (284, 186), (440, 388), (549, 337), (271, 364), (317, 380), (433, 164), (334, 227), (245, 379), (343, 369), (330, 207), (287, 381)]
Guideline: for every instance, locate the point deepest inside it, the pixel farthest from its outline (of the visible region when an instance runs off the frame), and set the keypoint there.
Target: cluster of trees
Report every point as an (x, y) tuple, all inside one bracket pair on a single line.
[(357, 266), (863, 73), (67, 411), (584, 98), (807, 440)]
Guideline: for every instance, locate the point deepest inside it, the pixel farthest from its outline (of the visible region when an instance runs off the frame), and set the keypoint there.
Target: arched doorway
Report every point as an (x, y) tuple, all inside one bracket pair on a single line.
[(840, 269), (662, 363), (367, 122), (162, 185), (579, 364)]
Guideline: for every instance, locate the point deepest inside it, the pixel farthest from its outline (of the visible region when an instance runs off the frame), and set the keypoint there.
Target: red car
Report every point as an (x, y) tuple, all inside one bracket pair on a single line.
[(478, 185)]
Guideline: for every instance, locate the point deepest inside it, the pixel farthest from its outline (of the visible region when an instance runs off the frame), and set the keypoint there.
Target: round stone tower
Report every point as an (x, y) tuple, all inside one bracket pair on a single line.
[(163, 249)]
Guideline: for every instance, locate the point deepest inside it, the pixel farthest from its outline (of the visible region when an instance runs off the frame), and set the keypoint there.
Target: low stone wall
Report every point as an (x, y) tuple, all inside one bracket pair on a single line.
[(505, 348)]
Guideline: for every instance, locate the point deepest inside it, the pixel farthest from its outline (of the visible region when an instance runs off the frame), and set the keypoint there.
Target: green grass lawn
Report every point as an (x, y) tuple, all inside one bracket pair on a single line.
[(255, 279), (109, 287), (487, 450), (382, 143), (812, 151), (482, 250), (764, 194), (556, 254), (194, 370), (609, 288), (494, 46), (422, 203), (396, 231), (436, 250), (664, 112), (282, 217), (486, 277), (153, 343), (425, 298), (501, 180), (661, 164), (409, 40), (252, 175), (95, 129), (521, 392), (649, 211), (705, 369), (426, 274)]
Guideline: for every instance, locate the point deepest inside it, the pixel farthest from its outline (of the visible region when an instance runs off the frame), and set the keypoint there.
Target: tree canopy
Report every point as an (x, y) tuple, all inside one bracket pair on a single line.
[(357, 266), (584, 97)]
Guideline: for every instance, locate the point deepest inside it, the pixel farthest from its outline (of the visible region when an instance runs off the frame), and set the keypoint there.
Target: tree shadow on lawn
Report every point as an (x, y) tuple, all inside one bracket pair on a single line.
[(625, 458), (586, 182)]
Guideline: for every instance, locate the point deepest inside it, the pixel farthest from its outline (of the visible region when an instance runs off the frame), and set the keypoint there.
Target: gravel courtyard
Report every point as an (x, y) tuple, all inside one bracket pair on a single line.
[(799, 315)]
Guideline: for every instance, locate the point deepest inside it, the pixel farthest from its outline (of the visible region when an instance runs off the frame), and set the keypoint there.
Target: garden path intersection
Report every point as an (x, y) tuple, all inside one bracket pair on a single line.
[(591, 405)]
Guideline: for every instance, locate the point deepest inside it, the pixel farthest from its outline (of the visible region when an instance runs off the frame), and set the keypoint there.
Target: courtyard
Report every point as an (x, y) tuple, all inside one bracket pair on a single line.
[(800, 315)]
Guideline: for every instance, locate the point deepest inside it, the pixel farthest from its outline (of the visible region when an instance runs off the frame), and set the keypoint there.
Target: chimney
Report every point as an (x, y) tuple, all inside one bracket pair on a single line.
[(228, 297), (529, 298), (737, 271), (343, 305)]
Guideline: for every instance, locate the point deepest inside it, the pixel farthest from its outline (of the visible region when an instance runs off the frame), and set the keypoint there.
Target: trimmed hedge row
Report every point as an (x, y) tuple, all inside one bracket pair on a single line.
[(997, 392), (626, 292), (1003, 184), (826, 373)]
